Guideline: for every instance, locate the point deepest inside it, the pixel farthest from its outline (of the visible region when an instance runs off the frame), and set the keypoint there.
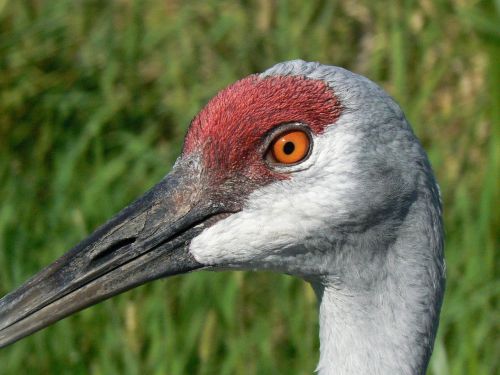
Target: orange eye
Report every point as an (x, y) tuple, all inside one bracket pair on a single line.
[(291, 147)]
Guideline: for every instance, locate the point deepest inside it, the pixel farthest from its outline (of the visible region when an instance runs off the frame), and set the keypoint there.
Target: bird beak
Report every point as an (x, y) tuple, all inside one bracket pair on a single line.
[(145, 241)]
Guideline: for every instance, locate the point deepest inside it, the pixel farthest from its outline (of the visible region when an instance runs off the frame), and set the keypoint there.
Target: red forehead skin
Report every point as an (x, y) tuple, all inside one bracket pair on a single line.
[(230, 129)]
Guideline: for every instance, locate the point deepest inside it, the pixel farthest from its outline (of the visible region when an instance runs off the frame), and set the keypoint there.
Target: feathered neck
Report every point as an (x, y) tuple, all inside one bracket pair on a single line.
[(389, 326)]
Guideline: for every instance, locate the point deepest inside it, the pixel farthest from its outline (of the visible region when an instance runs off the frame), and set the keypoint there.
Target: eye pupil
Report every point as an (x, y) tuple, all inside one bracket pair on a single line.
[(288, 148)]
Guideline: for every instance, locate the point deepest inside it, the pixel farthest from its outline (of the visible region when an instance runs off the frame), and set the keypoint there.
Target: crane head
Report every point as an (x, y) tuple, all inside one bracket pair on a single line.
[(293, 170)]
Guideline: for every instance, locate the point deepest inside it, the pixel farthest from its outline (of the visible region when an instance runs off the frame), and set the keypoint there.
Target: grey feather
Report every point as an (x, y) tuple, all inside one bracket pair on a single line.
[(383, 279)]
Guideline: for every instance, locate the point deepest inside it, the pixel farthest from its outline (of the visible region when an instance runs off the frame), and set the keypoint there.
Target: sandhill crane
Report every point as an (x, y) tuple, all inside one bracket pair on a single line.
[(305, 169)]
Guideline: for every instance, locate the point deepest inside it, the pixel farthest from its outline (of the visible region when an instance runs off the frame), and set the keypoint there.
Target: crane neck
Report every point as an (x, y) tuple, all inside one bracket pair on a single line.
[(387, 325)]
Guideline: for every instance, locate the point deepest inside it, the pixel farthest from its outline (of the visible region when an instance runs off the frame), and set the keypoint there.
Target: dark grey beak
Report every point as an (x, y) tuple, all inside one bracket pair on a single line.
[(147, 240)]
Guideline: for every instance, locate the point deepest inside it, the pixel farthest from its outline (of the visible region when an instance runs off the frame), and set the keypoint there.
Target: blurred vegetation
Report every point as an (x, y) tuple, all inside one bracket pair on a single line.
[(95, 98)]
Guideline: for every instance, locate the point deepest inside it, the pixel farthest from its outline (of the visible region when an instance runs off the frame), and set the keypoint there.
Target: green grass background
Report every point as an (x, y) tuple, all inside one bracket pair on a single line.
[(95, 98)]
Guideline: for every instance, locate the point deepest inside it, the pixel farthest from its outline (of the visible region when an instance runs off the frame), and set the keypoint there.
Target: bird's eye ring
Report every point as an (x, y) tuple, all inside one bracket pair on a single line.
[(290, 147)]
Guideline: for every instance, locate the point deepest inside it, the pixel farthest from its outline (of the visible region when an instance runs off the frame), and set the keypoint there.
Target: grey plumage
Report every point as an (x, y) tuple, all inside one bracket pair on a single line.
[(383, 277)]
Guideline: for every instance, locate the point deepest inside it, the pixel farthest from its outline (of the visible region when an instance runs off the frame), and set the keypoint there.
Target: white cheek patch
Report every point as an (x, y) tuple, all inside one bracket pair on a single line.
[(283, 214)]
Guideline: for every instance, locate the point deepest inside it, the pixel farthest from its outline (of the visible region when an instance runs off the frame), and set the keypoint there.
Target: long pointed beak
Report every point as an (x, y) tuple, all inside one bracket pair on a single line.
[(147, 240)]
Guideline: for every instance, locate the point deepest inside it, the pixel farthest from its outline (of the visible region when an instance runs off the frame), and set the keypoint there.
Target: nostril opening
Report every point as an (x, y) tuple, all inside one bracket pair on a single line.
[(113, 248)]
